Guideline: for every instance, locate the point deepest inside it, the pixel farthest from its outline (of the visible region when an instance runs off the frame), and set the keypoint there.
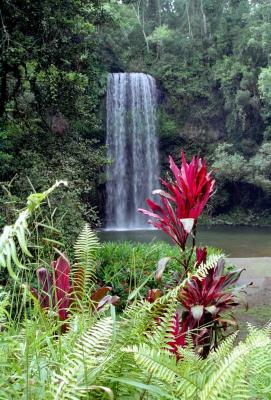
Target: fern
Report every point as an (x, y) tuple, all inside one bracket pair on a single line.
[(233, 365), (162, 331), (81, 368), (131, 364), (84, 271), (203, 269), (224, 348), (4, 304), (195, 378)]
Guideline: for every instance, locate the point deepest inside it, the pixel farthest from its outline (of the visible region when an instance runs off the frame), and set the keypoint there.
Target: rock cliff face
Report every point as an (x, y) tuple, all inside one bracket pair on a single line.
[(207, 133)]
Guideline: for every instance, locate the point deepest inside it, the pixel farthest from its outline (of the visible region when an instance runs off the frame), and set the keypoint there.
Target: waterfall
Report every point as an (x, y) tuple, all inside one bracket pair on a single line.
[(132, 148)]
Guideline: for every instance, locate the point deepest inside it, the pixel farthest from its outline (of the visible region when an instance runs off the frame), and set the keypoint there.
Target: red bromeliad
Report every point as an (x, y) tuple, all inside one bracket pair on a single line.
[(57, 291), (184, 200)]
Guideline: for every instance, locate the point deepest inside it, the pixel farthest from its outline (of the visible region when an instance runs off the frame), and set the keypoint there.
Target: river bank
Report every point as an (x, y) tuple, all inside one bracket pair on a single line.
[(234, 241)]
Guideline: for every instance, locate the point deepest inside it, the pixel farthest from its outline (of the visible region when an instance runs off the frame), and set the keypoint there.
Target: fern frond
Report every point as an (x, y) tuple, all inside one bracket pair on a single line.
[(232, 365), (82, 366), (84, 271), (4, 304), (160, 363), (258, 376), (203, 269), (223, 349), (163, 332), (162, 367)]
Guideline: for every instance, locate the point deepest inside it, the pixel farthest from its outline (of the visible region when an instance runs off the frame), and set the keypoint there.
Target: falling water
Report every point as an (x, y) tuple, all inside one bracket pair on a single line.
[(132, 147)]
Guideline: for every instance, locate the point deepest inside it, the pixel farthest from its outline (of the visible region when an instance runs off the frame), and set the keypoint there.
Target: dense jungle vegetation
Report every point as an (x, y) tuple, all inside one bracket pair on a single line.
[(101, 322), (81, 320), (211, 59)]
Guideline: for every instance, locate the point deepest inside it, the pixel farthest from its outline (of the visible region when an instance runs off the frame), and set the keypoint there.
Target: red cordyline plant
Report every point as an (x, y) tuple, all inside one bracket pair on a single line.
[(183, 200), (60, 293), (203, 300)]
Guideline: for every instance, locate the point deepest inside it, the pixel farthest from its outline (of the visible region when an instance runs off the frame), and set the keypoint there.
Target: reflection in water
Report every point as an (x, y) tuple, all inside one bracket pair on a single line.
[(235, 241)]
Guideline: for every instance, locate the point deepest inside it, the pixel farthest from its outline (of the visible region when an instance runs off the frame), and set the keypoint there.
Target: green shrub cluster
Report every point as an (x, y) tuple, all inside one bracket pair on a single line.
[(126, 265)]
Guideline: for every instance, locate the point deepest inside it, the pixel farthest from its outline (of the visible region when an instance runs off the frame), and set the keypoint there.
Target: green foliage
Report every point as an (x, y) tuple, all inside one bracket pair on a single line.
[(116, 359), (51, 85), (104, 355), (125, 266), (264, 85), (15, 235), (211, 60), (85, 250), (229, 165), (233, 170)]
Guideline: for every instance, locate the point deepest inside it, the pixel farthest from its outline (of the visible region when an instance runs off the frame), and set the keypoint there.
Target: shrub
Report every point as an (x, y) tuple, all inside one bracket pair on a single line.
[(126, 265)]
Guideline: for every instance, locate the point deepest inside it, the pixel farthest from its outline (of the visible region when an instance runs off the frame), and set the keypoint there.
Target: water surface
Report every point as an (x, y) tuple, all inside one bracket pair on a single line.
[(235, 241)]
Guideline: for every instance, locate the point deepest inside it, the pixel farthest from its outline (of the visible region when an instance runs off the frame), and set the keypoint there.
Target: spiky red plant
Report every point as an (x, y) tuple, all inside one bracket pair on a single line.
[(183, 200), (205, 299)]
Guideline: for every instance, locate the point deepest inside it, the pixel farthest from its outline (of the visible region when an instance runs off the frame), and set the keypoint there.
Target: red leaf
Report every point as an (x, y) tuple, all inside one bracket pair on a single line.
[(201, 255), (185, 198), (98, 295), (153, 294), (62, 285), (45, 279)]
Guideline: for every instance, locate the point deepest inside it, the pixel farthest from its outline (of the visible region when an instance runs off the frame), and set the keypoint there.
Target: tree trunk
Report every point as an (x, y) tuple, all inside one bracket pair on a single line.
[(190, 32), (204, 20)]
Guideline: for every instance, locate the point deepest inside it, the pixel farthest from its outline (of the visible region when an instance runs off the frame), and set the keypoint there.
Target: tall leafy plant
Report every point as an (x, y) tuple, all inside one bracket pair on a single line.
[(205, 299), (182, 201)]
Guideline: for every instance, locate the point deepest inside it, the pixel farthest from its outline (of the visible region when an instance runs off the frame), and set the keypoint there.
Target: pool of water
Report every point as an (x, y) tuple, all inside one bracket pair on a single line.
[(235, 241)]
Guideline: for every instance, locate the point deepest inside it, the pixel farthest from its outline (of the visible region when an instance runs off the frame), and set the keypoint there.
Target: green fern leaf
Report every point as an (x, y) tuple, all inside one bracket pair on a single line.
[(84, 270)]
